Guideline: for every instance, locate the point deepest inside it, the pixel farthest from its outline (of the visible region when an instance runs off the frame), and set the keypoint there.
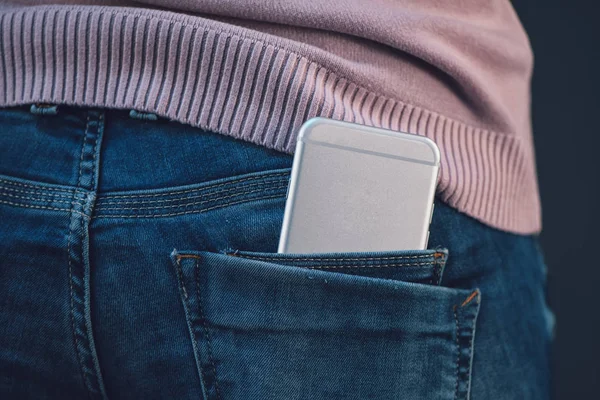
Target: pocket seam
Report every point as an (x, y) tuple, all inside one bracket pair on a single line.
[(464, 356), (205, 329), (264, 176), (437, 262), (344, 259), (184, 294), (208, 200)]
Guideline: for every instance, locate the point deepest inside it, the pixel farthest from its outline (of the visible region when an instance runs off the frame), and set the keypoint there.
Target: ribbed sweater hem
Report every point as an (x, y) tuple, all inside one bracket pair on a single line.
[(246, 86)]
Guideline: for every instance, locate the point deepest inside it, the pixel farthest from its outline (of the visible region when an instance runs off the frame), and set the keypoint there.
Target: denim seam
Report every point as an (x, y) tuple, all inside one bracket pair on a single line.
[(65, 191), (472, 351), (374, 260), (365, 266), (232, 182), (205, 328), (457, 351), (90, 200), (436, 274), (85, 133), (38, 192), (198, 211), (70, 263), (325, 260), (100, 126), (439, 263), (79, 271), (186, 308), (212, 193), (464, 358), (41, 207), (49, 199), (100, 208)]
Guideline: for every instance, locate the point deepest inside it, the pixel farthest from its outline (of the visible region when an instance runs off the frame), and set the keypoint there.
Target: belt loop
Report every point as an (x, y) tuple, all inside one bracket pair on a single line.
[(142, 115), (44, 109)]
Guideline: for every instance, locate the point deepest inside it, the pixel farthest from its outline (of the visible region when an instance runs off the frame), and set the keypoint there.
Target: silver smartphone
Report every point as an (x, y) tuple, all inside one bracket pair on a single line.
[(356, 188)]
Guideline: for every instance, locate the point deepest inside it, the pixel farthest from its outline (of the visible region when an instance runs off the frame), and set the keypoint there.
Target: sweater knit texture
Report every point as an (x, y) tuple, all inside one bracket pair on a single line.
[(457, 72)]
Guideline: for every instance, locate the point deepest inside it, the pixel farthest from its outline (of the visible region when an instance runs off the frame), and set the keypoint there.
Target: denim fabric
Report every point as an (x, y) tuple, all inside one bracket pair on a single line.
[(137, 260)]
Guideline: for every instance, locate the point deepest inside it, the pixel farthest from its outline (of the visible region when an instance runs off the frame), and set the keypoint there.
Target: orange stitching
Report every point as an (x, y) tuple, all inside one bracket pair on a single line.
[(468, 300), (180, 256)]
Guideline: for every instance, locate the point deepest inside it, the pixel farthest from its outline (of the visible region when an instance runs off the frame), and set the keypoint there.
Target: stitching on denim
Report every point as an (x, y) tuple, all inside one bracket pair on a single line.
[(197, 189), (365, 266), (73, 306), (100, 208), (198, 211), (87, 128), (41, 207), (469, 299), (440, 260), (180, 256), (38, 192), (325, 259), (97, 134), (471, 351), (457, 352), (435, 277), (437, 270), (216, 192), (79, 355), (76, 201), (90, 198), (187, 309), (41, 187), (205, 328)]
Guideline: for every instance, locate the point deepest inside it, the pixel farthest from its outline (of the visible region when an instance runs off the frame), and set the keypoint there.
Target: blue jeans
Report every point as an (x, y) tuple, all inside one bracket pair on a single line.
[(138, 261)]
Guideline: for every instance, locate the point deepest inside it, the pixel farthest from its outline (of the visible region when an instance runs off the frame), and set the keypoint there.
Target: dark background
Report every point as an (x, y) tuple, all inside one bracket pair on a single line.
[(565, 36)]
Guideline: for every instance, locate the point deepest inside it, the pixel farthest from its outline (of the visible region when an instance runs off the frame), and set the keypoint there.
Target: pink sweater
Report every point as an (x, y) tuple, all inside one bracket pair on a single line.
[(455, 71)]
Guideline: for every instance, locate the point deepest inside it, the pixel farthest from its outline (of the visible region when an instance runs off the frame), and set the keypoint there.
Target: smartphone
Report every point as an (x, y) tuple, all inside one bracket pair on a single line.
[(357, 188)]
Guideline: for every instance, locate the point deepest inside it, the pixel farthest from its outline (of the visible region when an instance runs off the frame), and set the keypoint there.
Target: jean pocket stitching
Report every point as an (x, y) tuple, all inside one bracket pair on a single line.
[(280, 258), (438, 267), (465, 349), (325, 266), (435, 260), (188, 309), (37, 192), (186, 306), (205, 330)]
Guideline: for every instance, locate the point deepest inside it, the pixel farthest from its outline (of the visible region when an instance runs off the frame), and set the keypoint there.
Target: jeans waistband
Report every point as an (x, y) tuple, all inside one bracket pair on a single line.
[(129, 151)]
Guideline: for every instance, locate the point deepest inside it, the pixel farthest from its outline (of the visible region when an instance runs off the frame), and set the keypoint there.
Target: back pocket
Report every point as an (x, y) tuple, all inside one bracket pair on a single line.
[(327, 326)]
